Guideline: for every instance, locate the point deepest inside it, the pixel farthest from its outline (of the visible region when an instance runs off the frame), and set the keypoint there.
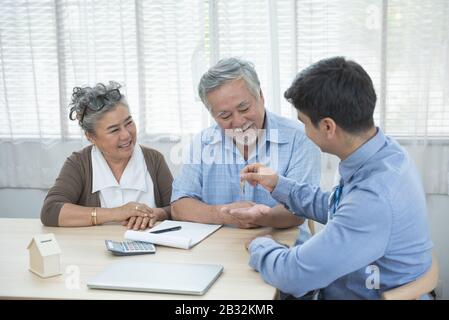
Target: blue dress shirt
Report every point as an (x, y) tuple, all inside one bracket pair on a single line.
[(376, 234), (212, 164)]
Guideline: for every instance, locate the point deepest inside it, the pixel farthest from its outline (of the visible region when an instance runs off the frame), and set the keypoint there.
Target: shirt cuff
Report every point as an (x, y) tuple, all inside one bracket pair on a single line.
[(259, 242), (177, 196), (282, 190), (258, 249)]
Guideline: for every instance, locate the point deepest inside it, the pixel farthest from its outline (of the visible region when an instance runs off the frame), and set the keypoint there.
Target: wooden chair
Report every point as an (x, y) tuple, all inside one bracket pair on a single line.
[(311, 225), (415, 289)]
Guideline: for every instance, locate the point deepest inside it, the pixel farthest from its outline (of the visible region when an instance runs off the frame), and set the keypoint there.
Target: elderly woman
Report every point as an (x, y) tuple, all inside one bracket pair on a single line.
[(112, 180)]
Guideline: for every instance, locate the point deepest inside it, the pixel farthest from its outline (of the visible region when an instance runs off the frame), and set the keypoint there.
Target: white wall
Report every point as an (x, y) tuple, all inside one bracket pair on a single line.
[(21, 203), (438, 209)]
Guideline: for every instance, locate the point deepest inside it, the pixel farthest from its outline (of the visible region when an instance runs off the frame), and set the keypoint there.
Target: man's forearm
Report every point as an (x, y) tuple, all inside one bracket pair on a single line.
[(280, 217), (188, 209)]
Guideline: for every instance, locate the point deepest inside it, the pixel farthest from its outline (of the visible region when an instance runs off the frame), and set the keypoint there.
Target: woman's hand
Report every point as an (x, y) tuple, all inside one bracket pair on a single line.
[(158, 214), (132, 209), (142, 223)]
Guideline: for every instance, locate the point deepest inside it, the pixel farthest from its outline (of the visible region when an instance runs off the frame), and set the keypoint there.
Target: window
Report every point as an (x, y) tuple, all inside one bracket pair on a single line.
[(159, 49)]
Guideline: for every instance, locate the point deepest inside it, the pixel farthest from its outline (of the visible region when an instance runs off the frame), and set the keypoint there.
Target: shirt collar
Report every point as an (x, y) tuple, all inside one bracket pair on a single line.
[(273, 132), (351, 164), (132, 178)]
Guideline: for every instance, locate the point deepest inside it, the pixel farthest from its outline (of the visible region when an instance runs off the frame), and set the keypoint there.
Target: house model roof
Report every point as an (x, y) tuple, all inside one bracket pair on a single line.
[(46, 244)]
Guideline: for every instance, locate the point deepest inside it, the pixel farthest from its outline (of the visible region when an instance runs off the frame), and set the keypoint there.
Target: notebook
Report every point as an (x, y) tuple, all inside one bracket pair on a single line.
[(189, 235), (178, 278)]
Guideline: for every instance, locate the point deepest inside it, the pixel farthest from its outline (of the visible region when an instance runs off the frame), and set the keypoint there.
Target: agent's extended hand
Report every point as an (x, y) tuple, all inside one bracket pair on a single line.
[(257, 173), (267, 233)]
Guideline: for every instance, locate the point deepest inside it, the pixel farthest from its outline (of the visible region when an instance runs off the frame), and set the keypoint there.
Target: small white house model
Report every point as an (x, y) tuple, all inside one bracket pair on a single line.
[(45, 255)]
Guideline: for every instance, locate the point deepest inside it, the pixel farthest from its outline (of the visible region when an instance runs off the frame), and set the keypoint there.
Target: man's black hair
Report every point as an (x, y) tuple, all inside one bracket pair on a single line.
[(336, 88)]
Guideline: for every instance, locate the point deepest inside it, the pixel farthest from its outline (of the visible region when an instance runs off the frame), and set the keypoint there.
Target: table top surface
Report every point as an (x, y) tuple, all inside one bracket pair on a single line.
[(84, 255)]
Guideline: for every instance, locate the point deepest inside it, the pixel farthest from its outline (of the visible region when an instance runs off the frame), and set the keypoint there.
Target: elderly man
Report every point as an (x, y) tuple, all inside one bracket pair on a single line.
[(209, 183)]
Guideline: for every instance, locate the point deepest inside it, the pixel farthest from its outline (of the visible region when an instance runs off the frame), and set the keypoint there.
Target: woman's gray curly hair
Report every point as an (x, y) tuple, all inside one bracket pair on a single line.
[(88, 105)]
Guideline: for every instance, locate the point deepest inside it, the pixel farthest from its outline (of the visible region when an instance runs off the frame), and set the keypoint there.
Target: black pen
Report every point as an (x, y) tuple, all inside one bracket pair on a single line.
[(167, 230)]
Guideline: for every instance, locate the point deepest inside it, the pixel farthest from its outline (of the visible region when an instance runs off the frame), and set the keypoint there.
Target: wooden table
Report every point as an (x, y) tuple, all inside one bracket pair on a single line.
[(84, 255)]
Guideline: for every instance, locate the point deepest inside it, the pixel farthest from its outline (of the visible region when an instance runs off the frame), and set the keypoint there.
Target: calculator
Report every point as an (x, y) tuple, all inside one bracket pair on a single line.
[(128, 248)]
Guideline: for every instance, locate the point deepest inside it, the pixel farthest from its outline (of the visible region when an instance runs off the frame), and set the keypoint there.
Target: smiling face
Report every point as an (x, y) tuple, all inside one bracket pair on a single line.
[(115, 134), (235, 109)]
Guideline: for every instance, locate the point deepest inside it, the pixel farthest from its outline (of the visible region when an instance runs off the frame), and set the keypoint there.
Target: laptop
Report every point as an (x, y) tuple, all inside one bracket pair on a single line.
[(179, 278)]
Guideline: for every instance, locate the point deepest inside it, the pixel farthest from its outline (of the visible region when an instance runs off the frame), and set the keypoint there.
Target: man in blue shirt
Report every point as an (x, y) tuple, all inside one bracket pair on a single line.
[(209, 181), (376, 236)]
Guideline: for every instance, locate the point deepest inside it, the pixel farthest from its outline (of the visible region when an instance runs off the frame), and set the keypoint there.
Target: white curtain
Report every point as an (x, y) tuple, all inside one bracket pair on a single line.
[(158, 49)]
